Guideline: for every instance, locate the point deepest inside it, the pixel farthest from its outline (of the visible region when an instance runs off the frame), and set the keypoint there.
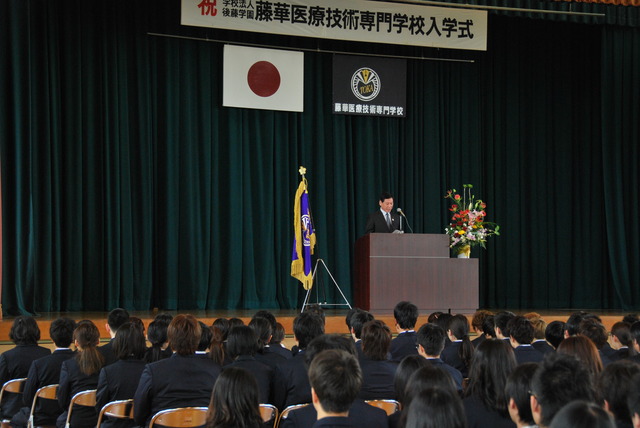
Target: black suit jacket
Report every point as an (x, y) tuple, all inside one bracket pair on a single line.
[(107, 353), (72, 381), (478, 416), (269, 357), (15, 364), (376, 223), (360, 413), (179, 381), (527, 354), (291, 383), (335, 422), (542, 346), (451, 355), (281, 350), (455, 373), (404, 344), (262, 372), (377, 379), (118, 381)]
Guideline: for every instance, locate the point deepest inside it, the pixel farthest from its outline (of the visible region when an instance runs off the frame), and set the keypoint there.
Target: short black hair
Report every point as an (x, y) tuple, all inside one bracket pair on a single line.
[(306, 327), (518, 387), (24, 331), (615, 384), (61, 331), (336, 379), (242, 340), (634, 330), (205, 337), (560, 379), (572, 325), (554, 333), (595, 331), (431, 337), (581, 413), (347, 318), (116, 318), (501, 321), (266, 315), (406, 314), (384, 196), (315, 308), (630, 318), (358, 320), (329, 341), (521, 329), (129, 342), (263, 330)]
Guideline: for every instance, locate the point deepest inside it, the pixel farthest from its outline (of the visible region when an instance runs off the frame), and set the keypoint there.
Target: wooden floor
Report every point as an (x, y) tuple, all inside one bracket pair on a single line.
[(335, 319)]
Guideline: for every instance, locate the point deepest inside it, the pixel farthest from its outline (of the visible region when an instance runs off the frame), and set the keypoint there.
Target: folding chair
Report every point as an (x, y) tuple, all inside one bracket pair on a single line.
[(48, 392), (15, 386), (389, 406), (82, 398), (285, 412), (182, 417), (269, 414), (121, 409)]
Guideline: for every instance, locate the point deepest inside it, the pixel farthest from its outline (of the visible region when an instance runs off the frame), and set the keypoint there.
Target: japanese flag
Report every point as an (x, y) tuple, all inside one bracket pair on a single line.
[(266, 79)]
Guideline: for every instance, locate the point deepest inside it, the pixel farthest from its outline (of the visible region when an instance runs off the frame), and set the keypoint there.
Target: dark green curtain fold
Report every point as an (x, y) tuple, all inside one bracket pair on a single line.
[(126, 183)]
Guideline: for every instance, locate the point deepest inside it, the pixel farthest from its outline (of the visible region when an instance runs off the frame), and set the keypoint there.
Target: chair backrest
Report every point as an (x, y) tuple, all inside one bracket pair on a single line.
[(121, 409), (82, 398), (14, 385), (389, 406), (183, 417), (48, 392), (285, 412), (269, 413)]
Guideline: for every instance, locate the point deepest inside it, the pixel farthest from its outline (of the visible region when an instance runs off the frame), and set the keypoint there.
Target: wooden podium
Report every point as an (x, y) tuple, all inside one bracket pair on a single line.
[(415, 267)]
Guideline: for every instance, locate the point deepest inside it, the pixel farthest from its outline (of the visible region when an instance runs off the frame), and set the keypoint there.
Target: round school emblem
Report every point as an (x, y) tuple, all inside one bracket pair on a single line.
[(365, 84)]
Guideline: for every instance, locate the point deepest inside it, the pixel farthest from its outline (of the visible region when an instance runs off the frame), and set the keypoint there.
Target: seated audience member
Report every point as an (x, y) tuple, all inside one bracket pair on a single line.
[(290, 381), (572, 326), (407, 367), (614, 386), (335, 380), (406, 316), (377, 371), (486, 403), (435, 408), (157, 336), (118, 381), (631, 318), (242, 346), (216, 350), (488, 327), (501, 321), (633, 402), (268, 316), (223, 325), (262, 329), (137, 322), (621, 341), (234, 322), (558, 380), (358, 320), (477, 325), (234, 401), (430, 339), (520, 336), (459, 351), (115, 319), (517, 393), (315, 308), (539, 327), (205, 340), (360, 413), (634, 330), (585, 351), (597, 332), (183, 380), (554, 333), (15, 362), (46, 371), (442, 320), (582, 414), (80, 374)]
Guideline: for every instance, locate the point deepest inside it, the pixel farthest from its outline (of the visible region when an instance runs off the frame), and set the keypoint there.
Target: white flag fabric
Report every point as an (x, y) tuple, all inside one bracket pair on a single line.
[(267, 79)]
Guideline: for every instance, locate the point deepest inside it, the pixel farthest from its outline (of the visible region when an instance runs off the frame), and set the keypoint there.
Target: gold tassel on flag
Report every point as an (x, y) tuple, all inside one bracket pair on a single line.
[(304, 235)]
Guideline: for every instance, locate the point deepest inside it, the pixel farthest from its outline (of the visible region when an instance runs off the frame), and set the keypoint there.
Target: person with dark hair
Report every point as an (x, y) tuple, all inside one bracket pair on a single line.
[(633, 401), (242, 346), (377, 371), (223, 325), (137, 321), (597, 332), (267, 316), (358, 320), (234, 401), (383, 220), (614, 386), (406, 315), (501, 324), (554, 333), (631, 318), (488, 327), (157, 336), (559, 379), (360, 413), (115, 319), (634, 331), (430, 339), (539, 328), (183, 380), (520, 336), (118, 381), (15, 362), (436, 408), (347, 318), (459, 352), (485, 402), (290, 381), (315, 308), (46, 371), (572, 326), (517, 393), (433, 317), (585, 351), (477, 323), (205, 340), (407, 367), (216, 350), (262, 328), (276, 342), (335, 379), (234, 322), (581, 414), (621, 341), (80, 374)]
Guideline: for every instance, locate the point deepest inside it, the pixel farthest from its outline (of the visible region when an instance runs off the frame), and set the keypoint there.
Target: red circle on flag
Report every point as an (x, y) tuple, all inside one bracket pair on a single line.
[(263, 79)]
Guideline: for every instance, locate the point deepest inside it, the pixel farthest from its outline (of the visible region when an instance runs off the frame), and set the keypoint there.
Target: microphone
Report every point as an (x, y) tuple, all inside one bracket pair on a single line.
[(399, 211)]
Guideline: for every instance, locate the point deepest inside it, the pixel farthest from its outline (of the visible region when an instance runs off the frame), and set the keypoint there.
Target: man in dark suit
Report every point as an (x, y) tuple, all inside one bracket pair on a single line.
[(383, 220), (115, 319), (46, 371), (520, 336), (430, 339), (406, 316)]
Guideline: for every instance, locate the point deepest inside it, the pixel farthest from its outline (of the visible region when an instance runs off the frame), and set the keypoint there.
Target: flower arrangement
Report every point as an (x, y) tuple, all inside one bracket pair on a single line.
[(467, 227)]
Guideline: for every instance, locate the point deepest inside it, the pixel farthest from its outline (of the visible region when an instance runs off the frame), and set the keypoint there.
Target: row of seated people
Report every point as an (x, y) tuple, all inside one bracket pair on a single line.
[(119, 370)]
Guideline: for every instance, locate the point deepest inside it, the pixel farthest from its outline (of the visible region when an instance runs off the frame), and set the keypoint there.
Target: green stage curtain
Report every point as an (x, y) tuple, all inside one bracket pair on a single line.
[(126, 183)]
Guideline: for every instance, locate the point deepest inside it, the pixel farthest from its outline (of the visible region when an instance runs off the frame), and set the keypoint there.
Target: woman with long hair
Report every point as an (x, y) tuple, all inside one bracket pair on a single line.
[(436, 408), (234, 401), (585, 351), (459, 351), (80, 374), (485, 401)]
